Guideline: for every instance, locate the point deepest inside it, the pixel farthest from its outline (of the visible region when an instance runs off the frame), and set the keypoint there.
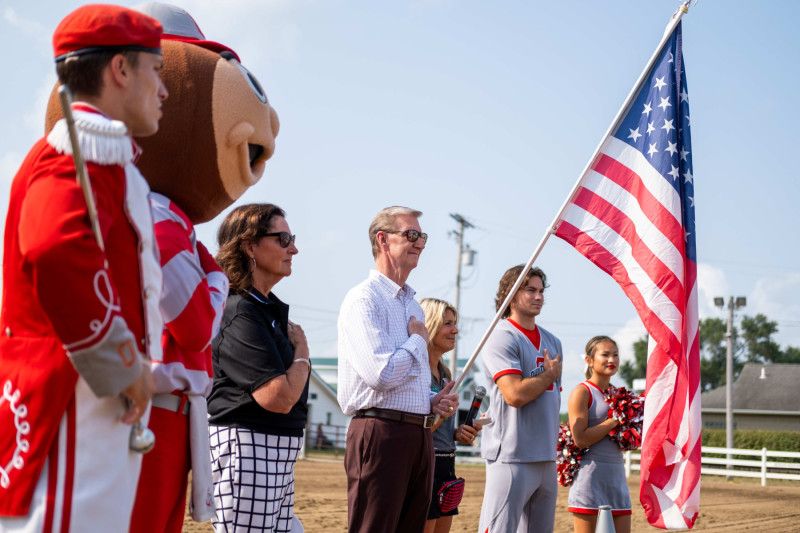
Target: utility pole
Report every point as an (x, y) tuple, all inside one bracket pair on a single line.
[(463, 224), (733, 304)]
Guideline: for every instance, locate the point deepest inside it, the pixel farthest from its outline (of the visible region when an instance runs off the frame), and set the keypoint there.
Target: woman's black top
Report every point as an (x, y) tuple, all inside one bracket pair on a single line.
[(252, 348)]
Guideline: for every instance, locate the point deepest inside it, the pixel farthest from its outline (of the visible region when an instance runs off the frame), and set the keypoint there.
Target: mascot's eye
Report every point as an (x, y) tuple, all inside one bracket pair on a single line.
[(253, 82)]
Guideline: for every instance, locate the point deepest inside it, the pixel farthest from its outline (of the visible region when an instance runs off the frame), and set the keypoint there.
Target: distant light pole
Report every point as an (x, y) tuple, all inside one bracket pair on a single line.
[(733, 304), (463, 224)]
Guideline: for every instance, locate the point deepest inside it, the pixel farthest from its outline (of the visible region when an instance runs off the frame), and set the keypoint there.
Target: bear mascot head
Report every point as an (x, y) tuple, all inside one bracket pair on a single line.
[(218, 129)]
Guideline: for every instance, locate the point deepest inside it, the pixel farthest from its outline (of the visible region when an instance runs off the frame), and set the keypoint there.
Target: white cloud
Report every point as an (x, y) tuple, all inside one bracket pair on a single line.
[(712, 283), (35, 33), (778, 297), (30, 27)]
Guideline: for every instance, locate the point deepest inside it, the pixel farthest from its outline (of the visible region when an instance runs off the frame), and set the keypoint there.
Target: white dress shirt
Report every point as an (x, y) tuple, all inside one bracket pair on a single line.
[(380, 365)]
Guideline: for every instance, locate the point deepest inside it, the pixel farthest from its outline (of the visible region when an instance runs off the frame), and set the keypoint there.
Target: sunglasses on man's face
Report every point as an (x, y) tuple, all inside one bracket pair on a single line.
[(411, 235), (284, 237)]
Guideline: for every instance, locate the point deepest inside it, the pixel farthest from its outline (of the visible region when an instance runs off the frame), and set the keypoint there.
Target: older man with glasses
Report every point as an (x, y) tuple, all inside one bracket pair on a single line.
[(385, 384)]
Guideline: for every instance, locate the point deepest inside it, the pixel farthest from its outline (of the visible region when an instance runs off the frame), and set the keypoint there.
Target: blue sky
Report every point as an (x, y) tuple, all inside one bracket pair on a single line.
[(488, 109)]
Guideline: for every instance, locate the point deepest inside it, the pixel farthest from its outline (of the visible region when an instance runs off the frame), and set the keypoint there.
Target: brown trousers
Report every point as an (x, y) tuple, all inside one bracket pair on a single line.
[(389, 469)]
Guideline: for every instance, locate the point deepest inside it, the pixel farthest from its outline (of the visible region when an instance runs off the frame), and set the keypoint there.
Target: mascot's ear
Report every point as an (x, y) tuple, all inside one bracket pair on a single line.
[(53, 113)]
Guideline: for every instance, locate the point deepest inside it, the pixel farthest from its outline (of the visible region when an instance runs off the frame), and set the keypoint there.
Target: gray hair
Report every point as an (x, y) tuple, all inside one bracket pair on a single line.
[(384, 221)]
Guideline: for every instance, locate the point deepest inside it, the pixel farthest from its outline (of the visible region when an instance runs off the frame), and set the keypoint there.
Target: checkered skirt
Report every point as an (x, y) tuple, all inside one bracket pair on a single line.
[(253, 476)]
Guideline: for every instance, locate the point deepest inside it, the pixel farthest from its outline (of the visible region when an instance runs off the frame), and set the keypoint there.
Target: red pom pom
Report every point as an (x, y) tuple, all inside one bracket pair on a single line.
[(568, 456), (628, 408)]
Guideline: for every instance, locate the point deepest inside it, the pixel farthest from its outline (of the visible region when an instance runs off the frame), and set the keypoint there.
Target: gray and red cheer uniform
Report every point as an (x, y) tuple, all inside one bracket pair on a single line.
[(520, 444), (601, 477)]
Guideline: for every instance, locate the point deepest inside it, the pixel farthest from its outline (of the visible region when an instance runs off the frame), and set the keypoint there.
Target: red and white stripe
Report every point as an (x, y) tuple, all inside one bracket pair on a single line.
[(626, 218), (195, 290), (83, 486)]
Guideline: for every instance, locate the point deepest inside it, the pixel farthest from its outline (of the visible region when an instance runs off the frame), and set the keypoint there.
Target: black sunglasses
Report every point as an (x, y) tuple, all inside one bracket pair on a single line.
[(284, 237), (411, 234)]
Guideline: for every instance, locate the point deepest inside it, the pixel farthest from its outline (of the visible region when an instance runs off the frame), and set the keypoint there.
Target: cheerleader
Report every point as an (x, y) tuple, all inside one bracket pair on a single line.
[(601, 478)]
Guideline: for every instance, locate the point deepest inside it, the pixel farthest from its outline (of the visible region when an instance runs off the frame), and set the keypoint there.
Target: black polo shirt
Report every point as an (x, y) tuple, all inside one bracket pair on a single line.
[(252, 348)]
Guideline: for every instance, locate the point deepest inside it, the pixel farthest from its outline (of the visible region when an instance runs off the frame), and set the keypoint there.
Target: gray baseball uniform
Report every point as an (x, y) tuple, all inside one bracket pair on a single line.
[(520, 444)]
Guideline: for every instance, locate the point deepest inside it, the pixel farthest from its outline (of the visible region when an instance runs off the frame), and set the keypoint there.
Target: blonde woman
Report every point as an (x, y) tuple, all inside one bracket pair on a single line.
[(441, 322)]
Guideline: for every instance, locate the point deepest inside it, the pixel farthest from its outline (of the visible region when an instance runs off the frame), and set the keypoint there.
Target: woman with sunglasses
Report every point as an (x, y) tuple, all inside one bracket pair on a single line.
[(257, 408)]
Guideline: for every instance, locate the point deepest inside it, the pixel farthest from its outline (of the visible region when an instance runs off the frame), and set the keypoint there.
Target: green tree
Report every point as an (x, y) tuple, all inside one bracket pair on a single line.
[(757, 335), (630, 370), (790, 355), (753, 344)]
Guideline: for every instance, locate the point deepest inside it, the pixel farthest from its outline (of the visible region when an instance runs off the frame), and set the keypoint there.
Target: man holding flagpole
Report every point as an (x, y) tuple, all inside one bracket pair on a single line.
[(523, 365)]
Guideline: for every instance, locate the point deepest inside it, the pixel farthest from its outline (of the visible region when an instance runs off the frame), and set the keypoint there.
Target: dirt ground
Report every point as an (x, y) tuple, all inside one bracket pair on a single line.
[(729, 506)]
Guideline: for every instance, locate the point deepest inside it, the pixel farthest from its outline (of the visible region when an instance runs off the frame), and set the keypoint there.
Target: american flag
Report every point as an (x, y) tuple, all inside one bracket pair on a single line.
[(633, 216)]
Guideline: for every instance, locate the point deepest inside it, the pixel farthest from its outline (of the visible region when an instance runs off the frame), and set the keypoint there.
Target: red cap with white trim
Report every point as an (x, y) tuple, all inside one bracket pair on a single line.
[(102, 27)]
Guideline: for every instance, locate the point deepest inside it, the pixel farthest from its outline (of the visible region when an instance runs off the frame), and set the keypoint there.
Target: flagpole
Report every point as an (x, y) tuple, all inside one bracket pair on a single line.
[(676, 18)]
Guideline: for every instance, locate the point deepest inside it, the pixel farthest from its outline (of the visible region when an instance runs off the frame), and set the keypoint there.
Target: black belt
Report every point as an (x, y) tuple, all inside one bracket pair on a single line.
[(425, 421), (444, 454)]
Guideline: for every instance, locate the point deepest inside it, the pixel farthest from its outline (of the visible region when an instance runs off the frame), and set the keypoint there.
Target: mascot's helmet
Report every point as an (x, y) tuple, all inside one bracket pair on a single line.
[(218, 129)]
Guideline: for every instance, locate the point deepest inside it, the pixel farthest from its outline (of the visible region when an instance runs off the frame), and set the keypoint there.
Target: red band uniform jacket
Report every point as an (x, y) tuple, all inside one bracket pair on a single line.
[(70, 310)]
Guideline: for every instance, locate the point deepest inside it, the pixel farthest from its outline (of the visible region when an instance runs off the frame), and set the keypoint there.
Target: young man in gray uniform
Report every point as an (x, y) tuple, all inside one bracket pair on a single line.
[(523, 364)]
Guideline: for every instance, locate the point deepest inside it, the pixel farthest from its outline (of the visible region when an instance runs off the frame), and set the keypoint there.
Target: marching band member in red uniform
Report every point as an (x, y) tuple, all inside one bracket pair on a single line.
[(78, 323)]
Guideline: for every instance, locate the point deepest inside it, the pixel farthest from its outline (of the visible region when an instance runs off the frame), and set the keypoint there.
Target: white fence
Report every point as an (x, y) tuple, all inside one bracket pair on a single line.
[(721, 462), (714, 462)]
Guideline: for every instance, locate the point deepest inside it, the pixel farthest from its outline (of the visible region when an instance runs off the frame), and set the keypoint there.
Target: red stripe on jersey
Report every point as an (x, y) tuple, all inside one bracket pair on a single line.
[(595, 386), (170, 246), (533, 335), (194, 309), (192, 327), (506, 372), (584, 510)]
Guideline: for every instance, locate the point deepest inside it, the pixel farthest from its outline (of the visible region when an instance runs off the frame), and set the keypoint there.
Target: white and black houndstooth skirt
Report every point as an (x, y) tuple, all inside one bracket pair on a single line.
[(253, 476)]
